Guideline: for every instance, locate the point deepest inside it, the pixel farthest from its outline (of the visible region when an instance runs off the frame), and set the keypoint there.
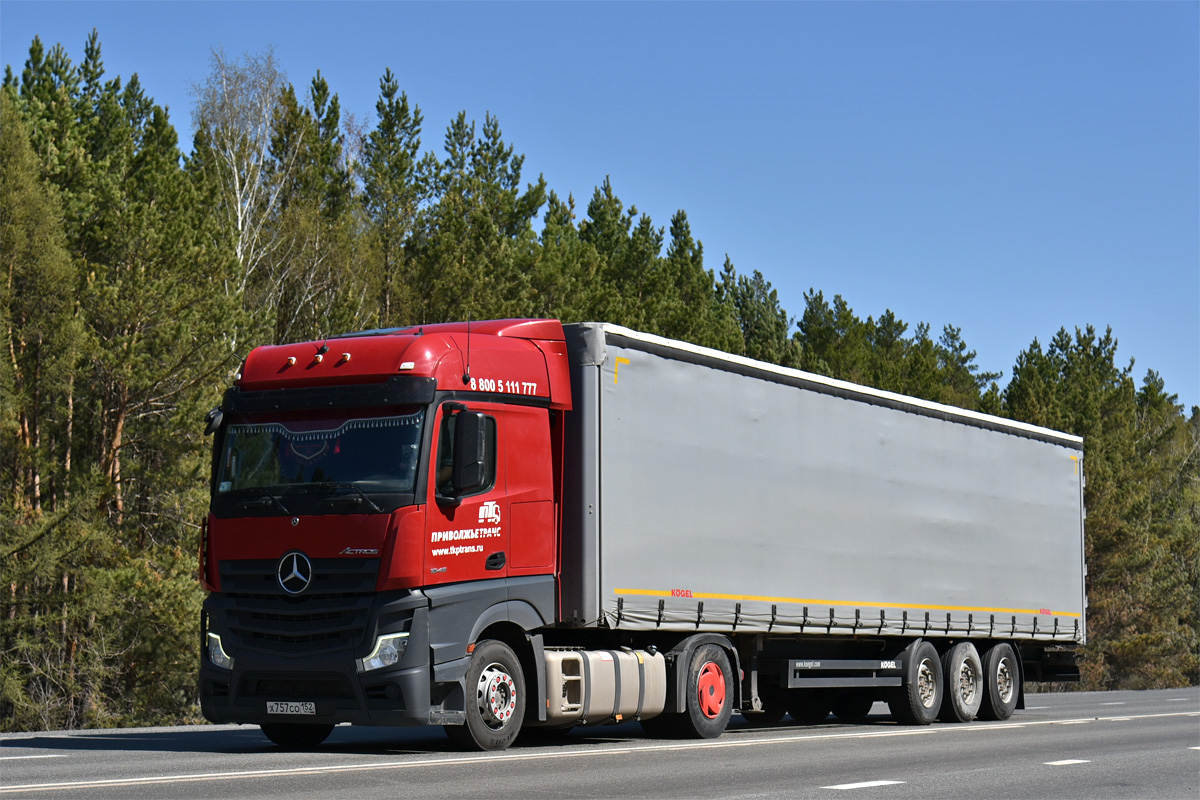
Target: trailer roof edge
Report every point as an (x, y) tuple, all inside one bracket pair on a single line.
[(844, 388)]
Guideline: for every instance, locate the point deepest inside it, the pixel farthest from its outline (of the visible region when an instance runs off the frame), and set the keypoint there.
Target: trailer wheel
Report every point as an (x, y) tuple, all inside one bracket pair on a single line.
[(709, 693), (1001, 683), (852, 706), (919, 700), (294, 736), (495, 699), (963, 691), (809, 706)]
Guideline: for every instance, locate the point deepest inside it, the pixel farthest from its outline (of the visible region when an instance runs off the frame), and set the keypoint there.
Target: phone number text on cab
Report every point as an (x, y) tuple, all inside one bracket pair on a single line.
[(507, 387)]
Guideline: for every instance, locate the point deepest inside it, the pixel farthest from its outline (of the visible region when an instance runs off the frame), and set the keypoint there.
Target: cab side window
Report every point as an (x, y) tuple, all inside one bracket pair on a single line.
[(445, 456)]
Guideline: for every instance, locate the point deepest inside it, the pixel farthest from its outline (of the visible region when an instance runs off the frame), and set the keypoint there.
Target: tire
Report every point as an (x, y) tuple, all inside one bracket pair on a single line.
[(1001, 682), (295, 736), (852, 706), (919, 700), (963, 688), (495, 699), (709, 694), (774, 706), (809, 706)]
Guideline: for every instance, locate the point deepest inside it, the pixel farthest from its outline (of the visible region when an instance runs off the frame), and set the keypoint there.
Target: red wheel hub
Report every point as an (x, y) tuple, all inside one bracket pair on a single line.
[(711, 688)]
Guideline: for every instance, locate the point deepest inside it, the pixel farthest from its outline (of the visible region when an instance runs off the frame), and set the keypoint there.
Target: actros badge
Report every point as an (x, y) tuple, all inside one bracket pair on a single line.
[(295, 572)]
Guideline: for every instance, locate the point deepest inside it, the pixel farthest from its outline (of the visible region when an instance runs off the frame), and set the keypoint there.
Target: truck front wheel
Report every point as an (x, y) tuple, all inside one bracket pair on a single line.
[(495, 699)]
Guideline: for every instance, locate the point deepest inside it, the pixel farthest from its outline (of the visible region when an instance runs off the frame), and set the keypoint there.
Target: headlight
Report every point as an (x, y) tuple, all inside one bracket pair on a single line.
[(216, 653), (388, 651)]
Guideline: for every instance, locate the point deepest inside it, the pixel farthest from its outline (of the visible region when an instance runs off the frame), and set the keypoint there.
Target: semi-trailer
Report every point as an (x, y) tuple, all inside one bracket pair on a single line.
[(509, 524)]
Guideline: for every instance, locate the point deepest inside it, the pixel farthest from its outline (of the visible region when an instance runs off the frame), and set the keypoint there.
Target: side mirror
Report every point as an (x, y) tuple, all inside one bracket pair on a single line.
[(470, 452), (212, 421)]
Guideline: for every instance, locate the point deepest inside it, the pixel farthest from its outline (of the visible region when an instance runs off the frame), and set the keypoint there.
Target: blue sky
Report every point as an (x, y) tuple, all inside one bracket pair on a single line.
[(1009, 168)]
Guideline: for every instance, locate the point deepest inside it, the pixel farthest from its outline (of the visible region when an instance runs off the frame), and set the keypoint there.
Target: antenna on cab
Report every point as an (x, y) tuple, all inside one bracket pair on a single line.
[(467, 374)]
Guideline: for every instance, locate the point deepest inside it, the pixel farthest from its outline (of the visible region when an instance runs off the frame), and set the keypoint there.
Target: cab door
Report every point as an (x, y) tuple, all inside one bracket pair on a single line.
[(469, 529)]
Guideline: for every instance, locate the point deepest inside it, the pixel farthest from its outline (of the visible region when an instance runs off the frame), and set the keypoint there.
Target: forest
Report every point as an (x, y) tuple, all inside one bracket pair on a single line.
[(139, 270)]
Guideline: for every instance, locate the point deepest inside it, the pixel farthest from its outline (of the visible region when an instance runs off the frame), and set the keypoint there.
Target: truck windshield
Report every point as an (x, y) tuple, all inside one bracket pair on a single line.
[(368, 454)]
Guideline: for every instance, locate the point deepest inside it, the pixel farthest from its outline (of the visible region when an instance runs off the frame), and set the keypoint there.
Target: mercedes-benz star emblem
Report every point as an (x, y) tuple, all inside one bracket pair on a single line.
[(295, 572)]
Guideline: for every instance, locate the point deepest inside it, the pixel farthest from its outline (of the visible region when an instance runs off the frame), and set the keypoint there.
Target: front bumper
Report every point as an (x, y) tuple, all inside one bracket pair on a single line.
[(329, 680)]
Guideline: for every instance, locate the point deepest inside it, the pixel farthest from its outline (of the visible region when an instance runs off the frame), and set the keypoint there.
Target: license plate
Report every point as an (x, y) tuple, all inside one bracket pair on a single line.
[(292, 708)]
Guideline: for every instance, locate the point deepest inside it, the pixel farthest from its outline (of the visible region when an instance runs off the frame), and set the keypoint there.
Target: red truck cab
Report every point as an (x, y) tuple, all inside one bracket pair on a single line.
[(378, 500)]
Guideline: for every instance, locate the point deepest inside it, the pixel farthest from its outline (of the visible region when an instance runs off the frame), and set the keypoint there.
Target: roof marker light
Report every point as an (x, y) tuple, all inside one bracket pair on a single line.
[(291, 361), (409, 365), (345, 357), (318, 358)]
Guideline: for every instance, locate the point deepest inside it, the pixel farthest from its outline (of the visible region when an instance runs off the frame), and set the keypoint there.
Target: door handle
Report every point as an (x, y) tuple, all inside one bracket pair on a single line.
[(495, 561)]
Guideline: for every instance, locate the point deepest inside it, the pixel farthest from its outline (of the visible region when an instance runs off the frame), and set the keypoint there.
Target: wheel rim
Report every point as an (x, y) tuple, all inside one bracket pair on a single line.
[(1004, 681), (496, 696), (967, 682), (926, 683), (710, 688)]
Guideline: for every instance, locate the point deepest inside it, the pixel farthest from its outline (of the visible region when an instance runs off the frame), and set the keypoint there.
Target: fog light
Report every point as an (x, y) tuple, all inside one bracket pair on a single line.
[(388, 651), (216, 653)]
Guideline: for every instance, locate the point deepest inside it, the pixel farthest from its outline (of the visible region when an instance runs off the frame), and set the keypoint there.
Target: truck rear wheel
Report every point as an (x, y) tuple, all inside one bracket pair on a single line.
[(963, 691), (296, 735), (919, 700), (1001, 683), (495, 699), (708, 699), (709, 693)]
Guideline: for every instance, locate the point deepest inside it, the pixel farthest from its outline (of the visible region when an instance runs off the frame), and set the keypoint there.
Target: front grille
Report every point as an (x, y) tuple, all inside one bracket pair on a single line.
[(331, 614), (332, 688)]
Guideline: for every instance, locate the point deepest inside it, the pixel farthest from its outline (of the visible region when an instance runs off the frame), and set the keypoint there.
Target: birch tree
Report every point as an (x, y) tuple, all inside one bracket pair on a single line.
[(234, 116)]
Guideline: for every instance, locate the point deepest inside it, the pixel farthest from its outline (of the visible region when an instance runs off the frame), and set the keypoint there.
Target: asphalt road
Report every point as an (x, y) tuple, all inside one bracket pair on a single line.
[(1076, 745)]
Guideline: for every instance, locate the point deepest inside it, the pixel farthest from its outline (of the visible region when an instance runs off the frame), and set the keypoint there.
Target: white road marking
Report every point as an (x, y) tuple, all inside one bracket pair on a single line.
[(1065, 762), (1112, 704), (460, 761), (15, 758), (863, 785), (1075, 722), (1178, 699), (1194, 748), (1118, 719), (1035, 708)]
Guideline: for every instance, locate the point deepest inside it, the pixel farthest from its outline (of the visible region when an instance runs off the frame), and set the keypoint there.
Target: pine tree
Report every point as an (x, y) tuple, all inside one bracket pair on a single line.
[(42, 336), (564, 278), (763, 323), (144, 322), (317, 282), (1141, 468), (392, 192), (474, 246)]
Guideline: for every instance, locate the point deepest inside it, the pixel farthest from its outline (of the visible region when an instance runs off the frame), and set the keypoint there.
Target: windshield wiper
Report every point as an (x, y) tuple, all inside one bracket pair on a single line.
[(361, 496), (264, 501)]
